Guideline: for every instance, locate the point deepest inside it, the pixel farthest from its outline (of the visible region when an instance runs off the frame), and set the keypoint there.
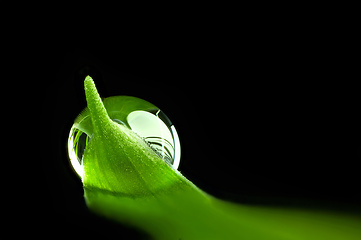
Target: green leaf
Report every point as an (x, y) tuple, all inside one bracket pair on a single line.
[(126, 181)]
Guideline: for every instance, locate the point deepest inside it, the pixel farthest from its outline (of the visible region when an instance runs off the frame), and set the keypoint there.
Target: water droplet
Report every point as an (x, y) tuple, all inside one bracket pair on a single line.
[(77, 142), (158, 131), (150, 123)]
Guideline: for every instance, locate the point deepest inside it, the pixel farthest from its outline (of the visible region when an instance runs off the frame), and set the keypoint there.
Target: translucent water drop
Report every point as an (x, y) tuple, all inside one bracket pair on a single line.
[(146, 120), (77, 142), (157, 130)]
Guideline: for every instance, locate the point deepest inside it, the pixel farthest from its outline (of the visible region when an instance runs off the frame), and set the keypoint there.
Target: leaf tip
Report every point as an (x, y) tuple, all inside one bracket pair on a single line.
[(94, 102)]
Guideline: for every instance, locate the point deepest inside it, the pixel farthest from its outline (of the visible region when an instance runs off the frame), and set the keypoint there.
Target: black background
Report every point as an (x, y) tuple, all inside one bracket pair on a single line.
[(260, 120)]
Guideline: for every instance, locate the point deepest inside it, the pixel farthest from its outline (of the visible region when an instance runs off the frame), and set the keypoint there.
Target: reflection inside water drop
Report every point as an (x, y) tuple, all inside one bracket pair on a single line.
[(153, 126), (77, 142), (157, 130)]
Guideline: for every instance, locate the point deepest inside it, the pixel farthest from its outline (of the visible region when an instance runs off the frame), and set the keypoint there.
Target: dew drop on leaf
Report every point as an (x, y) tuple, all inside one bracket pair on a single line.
[(153, 126), (157, 130)]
